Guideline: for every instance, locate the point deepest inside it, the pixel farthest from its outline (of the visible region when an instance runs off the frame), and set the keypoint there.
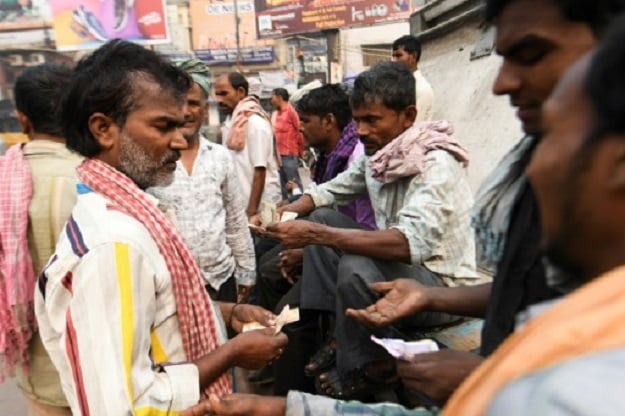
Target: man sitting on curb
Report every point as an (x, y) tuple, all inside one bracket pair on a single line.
[(414, 175)]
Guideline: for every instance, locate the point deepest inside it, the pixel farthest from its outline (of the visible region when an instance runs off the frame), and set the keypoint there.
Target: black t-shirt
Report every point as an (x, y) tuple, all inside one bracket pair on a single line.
[(520, 278)]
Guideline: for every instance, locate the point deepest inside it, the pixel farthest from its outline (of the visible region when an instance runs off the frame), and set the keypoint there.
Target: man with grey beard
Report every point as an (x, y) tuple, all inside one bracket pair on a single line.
[(121, 304)]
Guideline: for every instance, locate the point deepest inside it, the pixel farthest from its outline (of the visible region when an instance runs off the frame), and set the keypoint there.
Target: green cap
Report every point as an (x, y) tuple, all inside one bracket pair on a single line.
[(198, 71)]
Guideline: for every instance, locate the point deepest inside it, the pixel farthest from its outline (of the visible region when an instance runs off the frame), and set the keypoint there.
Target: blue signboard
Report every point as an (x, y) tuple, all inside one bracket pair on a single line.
[(228, 56)]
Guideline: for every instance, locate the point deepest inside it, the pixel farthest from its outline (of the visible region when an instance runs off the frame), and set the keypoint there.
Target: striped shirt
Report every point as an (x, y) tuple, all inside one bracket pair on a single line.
[(107, 316), (432, 210)]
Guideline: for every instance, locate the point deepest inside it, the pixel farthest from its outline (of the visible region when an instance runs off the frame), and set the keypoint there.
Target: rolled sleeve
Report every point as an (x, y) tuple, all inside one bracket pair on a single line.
[(245, 277), (344, 188)]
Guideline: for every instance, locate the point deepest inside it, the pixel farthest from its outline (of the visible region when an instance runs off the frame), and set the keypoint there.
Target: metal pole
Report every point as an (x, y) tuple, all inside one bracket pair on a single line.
[(236, 31)]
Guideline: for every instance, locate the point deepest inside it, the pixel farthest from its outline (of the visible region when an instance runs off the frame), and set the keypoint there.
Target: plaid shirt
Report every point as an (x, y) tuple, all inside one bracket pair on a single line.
[(432, 210)]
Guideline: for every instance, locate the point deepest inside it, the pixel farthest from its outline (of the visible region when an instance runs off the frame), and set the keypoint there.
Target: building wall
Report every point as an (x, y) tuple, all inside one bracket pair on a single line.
[(352, 39), (484, 123)]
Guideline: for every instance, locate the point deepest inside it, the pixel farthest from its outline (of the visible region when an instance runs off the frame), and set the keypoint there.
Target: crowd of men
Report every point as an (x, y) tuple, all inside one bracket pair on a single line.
[(134, 258)]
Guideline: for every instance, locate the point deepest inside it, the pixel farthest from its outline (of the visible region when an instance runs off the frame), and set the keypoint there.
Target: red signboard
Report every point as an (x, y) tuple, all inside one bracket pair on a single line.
[(285, 17)]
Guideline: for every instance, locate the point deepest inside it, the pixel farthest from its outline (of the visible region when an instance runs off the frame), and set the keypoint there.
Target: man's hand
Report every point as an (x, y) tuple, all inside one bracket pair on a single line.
[(437, 374), (243, 293), (290, 264), (244, 313), (291, 185), (201, 409), (255, 223), (303, 206), (251, 212), (258, 348), (403, 297), (295, 233), (239, 405)]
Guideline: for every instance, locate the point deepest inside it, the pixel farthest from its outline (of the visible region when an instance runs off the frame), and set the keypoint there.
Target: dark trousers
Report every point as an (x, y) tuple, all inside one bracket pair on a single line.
[(227, 291), (289, 171), (304, 340), (271, 286), (334, 281), (274, 292), (261, 247)]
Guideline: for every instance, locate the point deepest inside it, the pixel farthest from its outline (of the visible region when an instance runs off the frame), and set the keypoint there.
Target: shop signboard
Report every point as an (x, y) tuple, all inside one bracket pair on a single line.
[(277, 18), (214, 33), (86, 24)]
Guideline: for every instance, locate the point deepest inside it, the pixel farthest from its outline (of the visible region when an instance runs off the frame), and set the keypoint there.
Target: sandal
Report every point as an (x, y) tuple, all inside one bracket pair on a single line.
[(356, 385), (321, 361)]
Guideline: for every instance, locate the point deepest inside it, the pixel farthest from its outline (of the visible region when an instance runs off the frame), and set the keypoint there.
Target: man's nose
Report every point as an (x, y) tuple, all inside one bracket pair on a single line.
[(362, 129), (507, 81), (186, 110), (178, 141)]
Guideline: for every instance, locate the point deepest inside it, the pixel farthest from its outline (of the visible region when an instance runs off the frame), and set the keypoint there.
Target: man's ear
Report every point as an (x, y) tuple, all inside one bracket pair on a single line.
[(241, 93), (614, 160), (329, 121), (411, 115), (27, 127), (104, 130)]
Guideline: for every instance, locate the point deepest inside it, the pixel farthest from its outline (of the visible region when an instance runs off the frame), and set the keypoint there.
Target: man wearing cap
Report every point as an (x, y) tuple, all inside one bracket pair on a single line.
[(208, 206)]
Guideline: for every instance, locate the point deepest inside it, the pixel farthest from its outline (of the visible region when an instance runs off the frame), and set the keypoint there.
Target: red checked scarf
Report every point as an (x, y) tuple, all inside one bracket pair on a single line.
[(198, 321), (17, 278)]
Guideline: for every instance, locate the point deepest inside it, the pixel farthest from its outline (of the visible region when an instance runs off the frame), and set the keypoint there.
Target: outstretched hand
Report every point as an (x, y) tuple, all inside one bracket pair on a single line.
[(402, 298)]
